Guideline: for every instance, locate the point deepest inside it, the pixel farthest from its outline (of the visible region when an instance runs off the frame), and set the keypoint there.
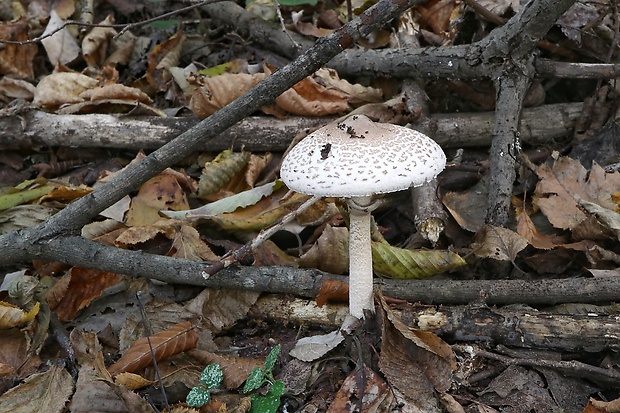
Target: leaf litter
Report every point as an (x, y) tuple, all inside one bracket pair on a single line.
[(225, 202)]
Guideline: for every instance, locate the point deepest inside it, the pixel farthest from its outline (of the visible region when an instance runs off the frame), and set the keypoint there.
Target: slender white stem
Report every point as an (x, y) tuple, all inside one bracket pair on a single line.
[(360, 258)]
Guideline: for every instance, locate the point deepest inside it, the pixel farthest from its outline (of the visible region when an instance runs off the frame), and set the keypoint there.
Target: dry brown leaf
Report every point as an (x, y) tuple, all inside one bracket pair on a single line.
[(16, 59), (309, 98), (116, 91), (96, 42), (132, 381), (436, 15), (332, 290), (256, 166), (177, 339), (562, 186), (268, 254), (527, 229), (95, 391), (16, 88), (221, 308), (186, 241), (211, 94), (597, 406), (393, 111), (65, 194), (498, 243), (13, 316), (162, 192), (358, 93), (235, 369), (77, 289), (414, 361), (42, 392), (16, 353), (122, 48), (61, 88), (363, 389), (330, 252), (164, 56)]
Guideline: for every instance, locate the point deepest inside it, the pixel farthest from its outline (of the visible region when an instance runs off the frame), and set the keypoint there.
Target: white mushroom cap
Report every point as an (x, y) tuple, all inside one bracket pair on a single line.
[(359, 157)]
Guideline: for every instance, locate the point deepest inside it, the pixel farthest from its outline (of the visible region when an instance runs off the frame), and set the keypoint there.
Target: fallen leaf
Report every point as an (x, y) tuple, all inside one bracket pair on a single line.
[(60, 88), (61, 47), (162, 192), (315, 347), (210, 94), (17, 59), (330, 252), (13, 316), (415, 362), (393, 262), (219, 172), (96, 42), (498, 243), (236, 369), (177, 339), (332, 290), (164, 56), (363, 390), (77, 289), (309, 98), (562, 186), (527, 229), (116, 92), (40, 392)]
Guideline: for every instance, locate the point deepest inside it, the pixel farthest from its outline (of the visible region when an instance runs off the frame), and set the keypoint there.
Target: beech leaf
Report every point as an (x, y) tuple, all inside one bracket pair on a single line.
[(393, 262), (177, 339)]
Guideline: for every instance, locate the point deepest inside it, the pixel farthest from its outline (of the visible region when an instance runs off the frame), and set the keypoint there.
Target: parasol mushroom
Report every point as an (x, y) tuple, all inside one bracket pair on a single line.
[(357, 159)]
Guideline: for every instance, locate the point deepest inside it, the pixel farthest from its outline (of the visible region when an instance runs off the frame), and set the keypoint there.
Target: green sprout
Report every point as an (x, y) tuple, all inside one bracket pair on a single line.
[(211, 378), (258, 377)]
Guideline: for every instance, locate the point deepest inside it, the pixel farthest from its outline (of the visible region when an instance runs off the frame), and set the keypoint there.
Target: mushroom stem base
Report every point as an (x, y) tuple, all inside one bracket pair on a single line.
[(360, 259)]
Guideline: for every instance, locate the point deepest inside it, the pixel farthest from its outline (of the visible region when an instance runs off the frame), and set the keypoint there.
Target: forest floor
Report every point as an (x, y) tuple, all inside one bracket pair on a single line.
[(495, 284)]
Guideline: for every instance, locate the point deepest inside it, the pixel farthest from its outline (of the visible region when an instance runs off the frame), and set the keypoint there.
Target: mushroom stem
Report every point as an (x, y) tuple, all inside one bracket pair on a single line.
[(360, 257)]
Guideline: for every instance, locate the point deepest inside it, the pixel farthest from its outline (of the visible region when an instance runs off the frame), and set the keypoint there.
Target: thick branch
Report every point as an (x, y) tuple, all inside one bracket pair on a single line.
[(515, 327), (482, 59), (540, 125), (511, 91), (306, 282)]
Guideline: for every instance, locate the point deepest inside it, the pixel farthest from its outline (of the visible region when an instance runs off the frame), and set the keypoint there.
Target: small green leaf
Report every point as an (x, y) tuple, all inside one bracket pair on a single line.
[(198, 397), (270, 402), (272, 358), (255, 380), (212, 376)]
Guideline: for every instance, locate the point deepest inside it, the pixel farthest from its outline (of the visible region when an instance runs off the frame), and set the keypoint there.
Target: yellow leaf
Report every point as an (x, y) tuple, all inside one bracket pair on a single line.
[(393, 262), (12, 316)]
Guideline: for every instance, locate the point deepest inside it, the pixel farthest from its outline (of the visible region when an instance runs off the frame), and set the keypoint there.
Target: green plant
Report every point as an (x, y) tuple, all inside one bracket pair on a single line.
[(211, 378), (269, 402)]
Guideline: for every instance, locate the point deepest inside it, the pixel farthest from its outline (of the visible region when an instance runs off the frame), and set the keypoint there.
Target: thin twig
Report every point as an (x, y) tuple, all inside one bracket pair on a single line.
[(123, 27)]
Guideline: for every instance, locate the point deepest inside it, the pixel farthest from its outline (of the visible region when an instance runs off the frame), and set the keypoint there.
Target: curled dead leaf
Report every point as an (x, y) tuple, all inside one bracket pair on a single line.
[(96, 42), (116, 91), (13, 316)]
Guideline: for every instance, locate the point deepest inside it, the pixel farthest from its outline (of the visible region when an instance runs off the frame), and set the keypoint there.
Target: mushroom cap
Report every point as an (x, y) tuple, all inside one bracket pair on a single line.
[(359, 157)]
